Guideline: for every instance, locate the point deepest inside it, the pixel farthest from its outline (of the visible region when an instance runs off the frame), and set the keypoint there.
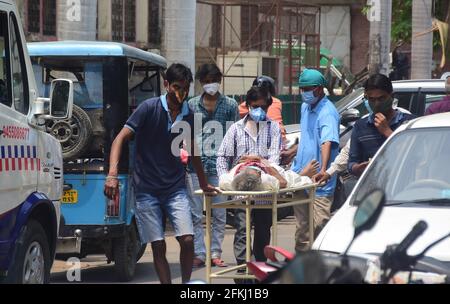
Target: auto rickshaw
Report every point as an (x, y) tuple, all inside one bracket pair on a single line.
[(110, 81)]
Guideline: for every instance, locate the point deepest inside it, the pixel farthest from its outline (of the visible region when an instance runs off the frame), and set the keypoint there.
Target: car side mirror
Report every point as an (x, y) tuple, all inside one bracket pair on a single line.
[(368, 211), (366, 215), (61, 99), (349, 116)]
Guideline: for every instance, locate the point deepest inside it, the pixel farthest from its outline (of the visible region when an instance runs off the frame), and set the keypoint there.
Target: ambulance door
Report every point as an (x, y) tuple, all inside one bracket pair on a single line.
[(19, 164)]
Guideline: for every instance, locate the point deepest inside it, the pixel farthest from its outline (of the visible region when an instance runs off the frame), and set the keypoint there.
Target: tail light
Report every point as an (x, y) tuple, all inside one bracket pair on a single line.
[(113, 205)]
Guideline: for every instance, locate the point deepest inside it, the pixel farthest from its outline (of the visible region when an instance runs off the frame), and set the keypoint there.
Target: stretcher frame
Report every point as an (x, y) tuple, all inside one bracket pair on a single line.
[(279, 199)]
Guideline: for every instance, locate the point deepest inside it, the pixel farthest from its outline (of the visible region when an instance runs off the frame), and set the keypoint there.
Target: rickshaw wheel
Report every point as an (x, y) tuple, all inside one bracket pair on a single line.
[(125, 251), (141, 252), (74, 134)]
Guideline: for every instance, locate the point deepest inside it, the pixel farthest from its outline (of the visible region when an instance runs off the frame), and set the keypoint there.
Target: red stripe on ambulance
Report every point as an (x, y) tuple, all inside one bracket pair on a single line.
[(13, 160)]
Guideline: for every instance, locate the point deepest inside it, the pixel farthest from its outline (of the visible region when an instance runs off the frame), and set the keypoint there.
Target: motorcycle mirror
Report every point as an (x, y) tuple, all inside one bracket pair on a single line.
[(367, 213)]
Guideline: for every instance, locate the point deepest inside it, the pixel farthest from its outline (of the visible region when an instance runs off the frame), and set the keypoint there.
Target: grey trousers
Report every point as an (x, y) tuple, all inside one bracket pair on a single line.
[(322, 210)]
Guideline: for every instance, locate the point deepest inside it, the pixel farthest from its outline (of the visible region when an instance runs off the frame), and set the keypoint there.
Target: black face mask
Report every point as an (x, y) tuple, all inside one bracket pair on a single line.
[(382, 107), (177, 96)]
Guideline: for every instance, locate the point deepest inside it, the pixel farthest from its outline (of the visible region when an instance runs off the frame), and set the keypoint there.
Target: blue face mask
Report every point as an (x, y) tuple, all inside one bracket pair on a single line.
[(309, 98), (366, 103), (258, 114)]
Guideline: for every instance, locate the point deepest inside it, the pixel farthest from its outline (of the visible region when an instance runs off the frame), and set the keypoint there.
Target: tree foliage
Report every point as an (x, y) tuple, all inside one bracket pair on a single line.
[(401, 29), (402, 19)]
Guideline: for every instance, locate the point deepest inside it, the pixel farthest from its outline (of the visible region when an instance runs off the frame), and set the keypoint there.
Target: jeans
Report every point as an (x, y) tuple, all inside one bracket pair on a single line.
[(262, 221), (151, 210), (218, 218)]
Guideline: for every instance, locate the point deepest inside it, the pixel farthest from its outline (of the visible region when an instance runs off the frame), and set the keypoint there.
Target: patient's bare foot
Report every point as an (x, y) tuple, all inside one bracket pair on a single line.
[(311, 169)]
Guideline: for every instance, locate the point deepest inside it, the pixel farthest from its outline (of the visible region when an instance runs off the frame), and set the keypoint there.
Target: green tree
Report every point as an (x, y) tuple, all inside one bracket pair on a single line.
[(401, 20), (402, 17)]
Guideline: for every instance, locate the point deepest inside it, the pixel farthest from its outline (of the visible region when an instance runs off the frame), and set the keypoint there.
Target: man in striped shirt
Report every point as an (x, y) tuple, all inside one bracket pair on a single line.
[(252, 137)]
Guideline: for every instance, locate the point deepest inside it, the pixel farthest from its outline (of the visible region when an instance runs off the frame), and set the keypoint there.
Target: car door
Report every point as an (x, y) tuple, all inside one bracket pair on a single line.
[(18, 141), (418, 101), (407, 101)]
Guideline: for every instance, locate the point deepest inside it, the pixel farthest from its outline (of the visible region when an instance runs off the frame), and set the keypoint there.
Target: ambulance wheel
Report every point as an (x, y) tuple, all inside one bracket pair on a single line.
[(125, 251), (32, 259)]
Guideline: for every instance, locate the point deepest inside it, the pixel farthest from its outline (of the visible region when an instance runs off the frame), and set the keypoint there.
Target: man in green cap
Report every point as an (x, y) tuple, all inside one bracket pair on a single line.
[(319, 128)]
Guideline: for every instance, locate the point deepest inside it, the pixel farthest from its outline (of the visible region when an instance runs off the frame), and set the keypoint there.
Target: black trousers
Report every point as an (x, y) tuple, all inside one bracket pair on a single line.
[(344, 187), (262, 222)]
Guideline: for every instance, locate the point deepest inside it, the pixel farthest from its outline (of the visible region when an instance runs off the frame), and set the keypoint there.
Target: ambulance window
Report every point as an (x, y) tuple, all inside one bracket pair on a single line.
[(19, 73), (4, 63)]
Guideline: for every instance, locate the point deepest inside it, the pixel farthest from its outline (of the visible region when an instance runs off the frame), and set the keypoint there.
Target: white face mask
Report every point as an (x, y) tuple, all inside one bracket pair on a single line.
[(211, 88)]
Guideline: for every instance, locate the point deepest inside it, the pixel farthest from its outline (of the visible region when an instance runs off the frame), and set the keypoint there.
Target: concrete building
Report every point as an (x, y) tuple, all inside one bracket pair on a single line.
[(343, 29), (136, 22), (146, 24)]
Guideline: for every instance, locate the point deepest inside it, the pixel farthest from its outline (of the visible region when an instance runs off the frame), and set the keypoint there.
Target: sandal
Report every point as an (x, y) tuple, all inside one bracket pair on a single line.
[(198, 263), (217, 262)]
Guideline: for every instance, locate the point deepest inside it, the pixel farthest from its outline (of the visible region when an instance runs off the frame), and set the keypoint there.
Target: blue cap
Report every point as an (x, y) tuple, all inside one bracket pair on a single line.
[(312, 78)]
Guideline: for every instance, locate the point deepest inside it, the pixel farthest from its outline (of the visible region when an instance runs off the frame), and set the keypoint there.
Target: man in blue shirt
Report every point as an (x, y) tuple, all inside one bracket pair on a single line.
[(319, 141), (159, 175), (371, 132)]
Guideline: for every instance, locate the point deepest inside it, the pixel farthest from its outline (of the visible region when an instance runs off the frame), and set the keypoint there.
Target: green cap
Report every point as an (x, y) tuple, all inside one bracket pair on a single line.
[(311, 78)]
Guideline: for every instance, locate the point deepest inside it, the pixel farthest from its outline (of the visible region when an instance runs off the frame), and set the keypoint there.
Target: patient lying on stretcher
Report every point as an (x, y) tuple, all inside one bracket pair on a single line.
[(253, 173)]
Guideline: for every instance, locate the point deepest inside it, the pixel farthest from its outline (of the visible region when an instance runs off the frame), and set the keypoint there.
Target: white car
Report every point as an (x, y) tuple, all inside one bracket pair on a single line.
[(413, 169)]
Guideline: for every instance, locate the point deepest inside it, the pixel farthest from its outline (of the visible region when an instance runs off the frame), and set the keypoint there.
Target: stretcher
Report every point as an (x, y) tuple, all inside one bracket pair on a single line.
[(303, 195)]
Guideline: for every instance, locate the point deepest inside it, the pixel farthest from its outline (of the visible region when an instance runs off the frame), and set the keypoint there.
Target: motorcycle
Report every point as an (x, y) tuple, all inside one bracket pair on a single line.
[(394, 266)]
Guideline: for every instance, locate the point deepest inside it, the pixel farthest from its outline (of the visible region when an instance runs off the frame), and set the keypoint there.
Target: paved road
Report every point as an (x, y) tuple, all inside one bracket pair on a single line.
[(94, 269)]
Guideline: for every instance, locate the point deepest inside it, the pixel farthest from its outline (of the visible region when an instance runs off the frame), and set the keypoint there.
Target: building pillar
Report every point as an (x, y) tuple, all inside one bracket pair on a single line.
[(178, 41), (380, 17), (422, 44)]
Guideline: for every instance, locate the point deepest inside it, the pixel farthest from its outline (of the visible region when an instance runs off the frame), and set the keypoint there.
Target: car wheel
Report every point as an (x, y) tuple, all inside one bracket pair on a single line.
[(32, 260), (74, 134)]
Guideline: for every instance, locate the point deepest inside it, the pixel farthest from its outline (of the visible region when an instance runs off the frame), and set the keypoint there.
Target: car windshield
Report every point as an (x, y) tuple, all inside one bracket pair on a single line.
[(343, 103), (413, 167)]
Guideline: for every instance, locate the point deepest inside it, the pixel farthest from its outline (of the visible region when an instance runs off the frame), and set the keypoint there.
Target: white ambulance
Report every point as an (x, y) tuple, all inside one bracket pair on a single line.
[(31, 181)]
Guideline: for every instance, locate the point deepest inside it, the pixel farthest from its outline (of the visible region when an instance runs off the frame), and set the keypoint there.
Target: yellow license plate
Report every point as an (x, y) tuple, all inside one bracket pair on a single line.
[(70, 197)]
